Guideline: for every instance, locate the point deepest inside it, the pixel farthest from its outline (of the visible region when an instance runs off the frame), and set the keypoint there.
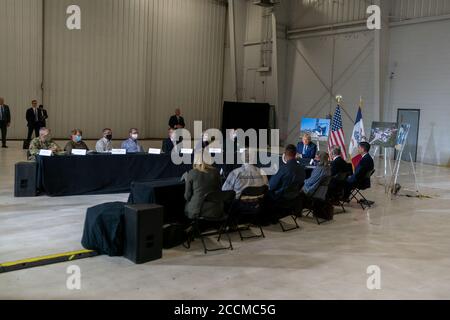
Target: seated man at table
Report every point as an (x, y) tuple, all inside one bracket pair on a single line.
[(246, 176), (76, 142), (338, 165), (104, 145), (307, 149), (170, 142), (132, 144), (200, 181), (289, 173), (43, 142)]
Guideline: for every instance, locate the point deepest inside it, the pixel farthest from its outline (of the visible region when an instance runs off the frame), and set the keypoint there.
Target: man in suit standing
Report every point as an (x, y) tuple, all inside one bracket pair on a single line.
[(44, 114), (34, 118), (339, 165), (177, 121), (5, 120), (365, 166), (307, 149)]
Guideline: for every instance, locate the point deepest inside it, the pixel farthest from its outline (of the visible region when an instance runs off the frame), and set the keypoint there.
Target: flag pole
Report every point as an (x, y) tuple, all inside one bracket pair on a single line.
[(339, 100)]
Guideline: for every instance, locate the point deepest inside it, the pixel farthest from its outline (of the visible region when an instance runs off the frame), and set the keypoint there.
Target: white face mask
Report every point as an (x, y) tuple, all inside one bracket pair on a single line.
[(135, 136)]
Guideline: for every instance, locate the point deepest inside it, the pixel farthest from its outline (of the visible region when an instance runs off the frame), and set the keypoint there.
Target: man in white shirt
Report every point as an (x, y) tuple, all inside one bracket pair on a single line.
[(246, 176), (104, 145)]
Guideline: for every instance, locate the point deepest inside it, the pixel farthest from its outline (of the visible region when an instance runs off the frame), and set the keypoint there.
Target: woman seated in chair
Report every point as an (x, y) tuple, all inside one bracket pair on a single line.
[(200, 181), (319, 173), (76, 142)]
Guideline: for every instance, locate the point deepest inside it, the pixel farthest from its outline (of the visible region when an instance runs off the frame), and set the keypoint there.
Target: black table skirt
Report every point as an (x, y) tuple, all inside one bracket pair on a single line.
[(105, 173), (102, 174)]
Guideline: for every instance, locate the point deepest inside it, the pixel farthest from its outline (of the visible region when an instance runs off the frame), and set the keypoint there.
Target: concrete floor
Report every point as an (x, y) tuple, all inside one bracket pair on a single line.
[(406, 237)]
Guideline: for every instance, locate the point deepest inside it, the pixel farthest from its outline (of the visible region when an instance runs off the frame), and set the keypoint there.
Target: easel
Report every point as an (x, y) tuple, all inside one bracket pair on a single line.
[(387, 165), (393, 185)]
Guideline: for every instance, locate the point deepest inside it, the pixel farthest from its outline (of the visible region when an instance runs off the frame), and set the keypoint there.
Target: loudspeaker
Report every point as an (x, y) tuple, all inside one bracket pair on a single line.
[(143, 232), (25, 184)]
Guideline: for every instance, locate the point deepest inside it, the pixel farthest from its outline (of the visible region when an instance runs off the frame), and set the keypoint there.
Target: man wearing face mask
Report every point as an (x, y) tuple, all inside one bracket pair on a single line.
[(104, 145), (76, 142), (43, 142), (131, 144)]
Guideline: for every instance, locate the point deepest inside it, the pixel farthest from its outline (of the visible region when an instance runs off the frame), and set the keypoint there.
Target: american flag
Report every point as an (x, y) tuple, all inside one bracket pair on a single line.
[(337, 137)]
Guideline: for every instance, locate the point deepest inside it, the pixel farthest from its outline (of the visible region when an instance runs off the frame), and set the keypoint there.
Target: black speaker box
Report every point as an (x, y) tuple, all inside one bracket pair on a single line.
[(143, 232), (25, 184)]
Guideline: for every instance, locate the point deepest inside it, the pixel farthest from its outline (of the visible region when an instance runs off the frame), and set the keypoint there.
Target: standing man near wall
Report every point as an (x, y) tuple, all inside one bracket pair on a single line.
[(5, 120), (34, 119), (177, 121)]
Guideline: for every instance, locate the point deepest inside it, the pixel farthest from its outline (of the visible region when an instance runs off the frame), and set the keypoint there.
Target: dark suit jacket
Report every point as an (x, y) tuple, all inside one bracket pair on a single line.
[(339, 165), (174, 122), (6, 114), (31, 119), (198, 185), (167, 145), (365, 166), (287, 175), (310, 152), (44, 117)]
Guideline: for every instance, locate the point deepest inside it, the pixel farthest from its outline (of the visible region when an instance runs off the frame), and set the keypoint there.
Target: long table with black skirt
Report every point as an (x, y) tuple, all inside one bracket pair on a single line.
[(102, 173)]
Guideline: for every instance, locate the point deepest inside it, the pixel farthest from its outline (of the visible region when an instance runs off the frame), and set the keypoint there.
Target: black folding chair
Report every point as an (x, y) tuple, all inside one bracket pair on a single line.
[(337, 190), (362, 185), (289, 205), (319, 196), (250, 207), (221, 201)]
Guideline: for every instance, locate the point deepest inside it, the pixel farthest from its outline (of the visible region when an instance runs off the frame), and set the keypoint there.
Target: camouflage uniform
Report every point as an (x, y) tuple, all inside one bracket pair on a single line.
[(36, 145)]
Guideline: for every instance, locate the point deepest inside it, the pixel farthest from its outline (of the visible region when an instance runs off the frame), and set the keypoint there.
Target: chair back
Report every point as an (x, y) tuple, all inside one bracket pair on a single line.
[(365, 182), (215, 203), (255, 192), (251, 200), (321, 192), (291, 193)]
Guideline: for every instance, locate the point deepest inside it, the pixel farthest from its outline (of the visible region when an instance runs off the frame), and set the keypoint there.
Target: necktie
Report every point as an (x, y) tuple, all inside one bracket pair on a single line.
[(305, 147), (1, 113)]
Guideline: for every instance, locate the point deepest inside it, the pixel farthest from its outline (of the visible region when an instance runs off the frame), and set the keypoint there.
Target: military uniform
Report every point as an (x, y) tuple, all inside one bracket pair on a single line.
[(36, 145)]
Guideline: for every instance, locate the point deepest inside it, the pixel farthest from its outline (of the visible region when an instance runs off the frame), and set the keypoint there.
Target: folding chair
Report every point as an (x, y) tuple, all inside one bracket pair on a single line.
[(362, 185), (221, 201), (337, 190), (250, 205), (319, 196), (289, 205)]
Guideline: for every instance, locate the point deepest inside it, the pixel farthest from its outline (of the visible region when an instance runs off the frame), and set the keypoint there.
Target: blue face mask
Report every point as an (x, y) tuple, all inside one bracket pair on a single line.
[(78, 138)]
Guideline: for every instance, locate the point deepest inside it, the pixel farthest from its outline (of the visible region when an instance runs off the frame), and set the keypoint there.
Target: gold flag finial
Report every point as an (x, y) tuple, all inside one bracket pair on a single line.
[(361, 102), (339, 99)]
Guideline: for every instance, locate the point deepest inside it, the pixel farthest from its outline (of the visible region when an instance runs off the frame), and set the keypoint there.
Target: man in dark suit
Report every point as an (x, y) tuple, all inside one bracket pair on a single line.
[(34, 118), (170, 142), (366, 165), (177, 121), (44, 116), (289, 173), (307, 149), (5, 120), (339, 165)]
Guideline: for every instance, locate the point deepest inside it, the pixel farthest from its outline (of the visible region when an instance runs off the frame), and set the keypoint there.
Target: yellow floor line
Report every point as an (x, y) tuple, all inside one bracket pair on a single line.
[(71, 256)]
